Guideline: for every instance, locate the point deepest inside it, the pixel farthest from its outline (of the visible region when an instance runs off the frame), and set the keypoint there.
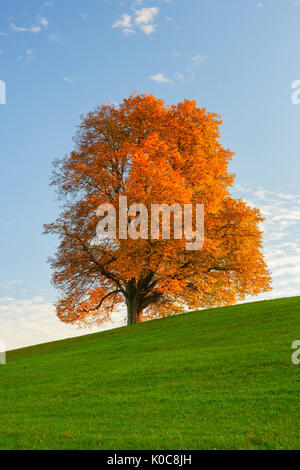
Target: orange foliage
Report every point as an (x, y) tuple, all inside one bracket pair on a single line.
[(152, 154)]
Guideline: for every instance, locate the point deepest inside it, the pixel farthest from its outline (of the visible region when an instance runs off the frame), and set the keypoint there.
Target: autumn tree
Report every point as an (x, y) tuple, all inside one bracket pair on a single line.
[(152, 154)]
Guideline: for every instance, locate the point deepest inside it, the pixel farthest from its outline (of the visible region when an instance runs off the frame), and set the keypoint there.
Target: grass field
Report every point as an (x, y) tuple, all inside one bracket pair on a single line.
[(215, 379)]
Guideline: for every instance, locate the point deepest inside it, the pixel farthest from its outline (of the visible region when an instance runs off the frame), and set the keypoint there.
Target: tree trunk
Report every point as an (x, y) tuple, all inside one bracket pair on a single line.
[(136, 300), (132, 312)]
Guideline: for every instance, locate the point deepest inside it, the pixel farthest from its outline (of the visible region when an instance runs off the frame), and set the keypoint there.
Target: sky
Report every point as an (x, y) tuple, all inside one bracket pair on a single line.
[(60, 59)]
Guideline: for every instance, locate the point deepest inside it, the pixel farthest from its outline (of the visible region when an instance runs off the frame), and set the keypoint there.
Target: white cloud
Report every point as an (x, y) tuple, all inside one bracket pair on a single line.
[(148, 28), (11, 283), (281, 244), (2, 33), (190, 70), (146, 15), (33, 321), (198, 59), (43, 21), (70, 80), (259, 5), (31, 29), (280, 261), (124, 24), (136, 3), (84, 16), (143, 19), (160, 78), (287, 270)]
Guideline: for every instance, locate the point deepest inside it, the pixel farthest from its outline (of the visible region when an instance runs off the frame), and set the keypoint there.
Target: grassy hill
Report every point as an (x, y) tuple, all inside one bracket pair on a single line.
[(215, 379)]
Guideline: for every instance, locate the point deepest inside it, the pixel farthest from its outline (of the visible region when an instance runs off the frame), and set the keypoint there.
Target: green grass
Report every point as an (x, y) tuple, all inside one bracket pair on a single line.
[(215, 379)]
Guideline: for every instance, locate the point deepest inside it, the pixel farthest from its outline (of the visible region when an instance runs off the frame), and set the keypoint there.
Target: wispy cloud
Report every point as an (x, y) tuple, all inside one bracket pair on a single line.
[(189, 72), (148, 28), (160, 78), (281, 236), (11, 283), (33, 321), (198, 59), (70, 80), (142, 19), (124, 24), (22, 29), (43, 21), (30, 29)]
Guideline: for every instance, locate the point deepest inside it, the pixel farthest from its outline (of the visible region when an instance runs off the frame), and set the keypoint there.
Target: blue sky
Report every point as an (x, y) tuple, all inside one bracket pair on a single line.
[(59, 59)]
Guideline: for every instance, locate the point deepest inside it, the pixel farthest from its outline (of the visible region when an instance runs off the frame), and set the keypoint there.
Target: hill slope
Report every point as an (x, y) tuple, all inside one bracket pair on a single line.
[(215, 379)]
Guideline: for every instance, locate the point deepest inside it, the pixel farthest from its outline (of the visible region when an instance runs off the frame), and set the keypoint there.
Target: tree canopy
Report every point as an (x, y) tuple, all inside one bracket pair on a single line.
[(152, 154)]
